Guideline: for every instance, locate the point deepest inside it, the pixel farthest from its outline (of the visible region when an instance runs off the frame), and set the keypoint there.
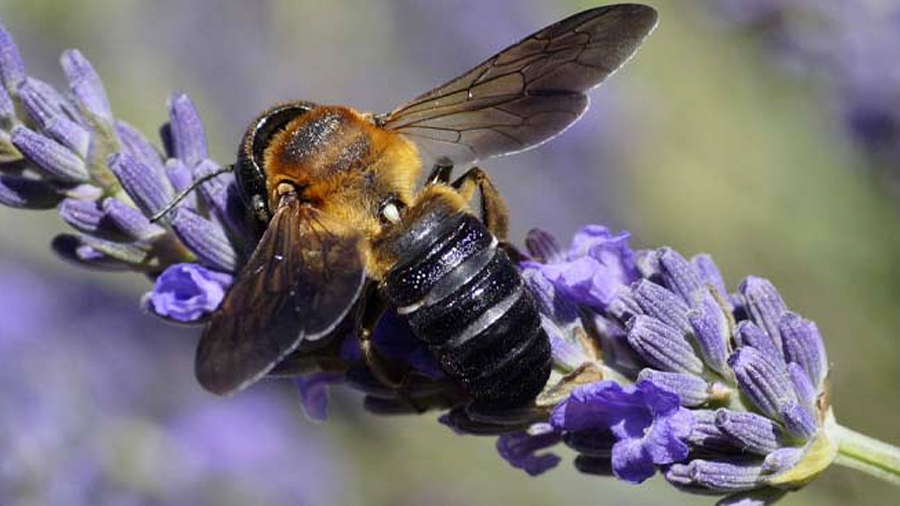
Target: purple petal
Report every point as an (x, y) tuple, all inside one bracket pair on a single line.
[(519, 449), (662, 346), (630, 461), (51, 157), (803, 345), (150, 192), (187, 292), (764, 305), (550, 303), (313, 390), (204, 239), (86, 84), (188, 136), (543, 246), (12, 69), (25, 193)]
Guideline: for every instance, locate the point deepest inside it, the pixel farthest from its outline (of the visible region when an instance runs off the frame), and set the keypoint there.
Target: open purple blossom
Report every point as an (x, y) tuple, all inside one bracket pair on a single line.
[(649, 426), (186, 292)]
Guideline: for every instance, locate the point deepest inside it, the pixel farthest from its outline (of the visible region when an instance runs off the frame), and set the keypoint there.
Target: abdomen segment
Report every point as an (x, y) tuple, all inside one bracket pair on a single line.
[(465, 299)]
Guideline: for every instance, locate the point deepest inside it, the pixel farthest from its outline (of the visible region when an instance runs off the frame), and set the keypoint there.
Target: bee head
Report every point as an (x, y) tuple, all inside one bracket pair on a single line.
[(250, 167)]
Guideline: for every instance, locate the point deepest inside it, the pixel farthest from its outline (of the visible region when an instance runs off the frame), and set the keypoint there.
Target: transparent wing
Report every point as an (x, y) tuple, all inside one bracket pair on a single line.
[(529, 92), (299, 284)]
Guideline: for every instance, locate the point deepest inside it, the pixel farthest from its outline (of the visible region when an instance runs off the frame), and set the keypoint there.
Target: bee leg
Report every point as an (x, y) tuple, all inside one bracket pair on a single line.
[(493, 210), (441, 172), (385, 371)]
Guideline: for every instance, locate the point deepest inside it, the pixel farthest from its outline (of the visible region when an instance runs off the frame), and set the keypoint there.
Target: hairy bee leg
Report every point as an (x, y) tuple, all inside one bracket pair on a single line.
[(494, 214), (440, 173)]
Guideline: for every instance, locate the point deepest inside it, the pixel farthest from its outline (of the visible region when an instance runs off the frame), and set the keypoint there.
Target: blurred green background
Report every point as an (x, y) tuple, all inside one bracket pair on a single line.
[(701, 142)]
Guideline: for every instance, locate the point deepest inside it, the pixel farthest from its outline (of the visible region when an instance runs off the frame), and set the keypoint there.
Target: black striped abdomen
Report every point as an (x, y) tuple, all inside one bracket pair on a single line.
[(465, 299)]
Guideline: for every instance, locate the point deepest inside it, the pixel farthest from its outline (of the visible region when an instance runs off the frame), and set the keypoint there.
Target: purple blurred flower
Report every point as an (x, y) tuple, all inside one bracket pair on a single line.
[(186, 293), (649, 425), (843, 45)]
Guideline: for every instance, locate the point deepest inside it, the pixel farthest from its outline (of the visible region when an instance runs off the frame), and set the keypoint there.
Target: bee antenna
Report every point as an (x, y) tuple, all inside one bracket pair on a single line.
[(187, 191)]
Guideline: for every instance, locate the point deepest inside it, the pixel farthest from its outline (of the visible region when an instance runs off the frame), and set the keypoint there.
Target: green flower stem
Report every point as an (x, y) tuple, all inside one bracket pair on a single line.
[(863, 453)]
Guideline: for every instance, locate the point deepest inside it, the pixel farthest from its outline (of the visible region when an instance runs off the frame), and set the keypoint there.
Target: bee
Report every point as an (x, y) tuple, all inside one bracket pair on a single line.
[(347, 231)]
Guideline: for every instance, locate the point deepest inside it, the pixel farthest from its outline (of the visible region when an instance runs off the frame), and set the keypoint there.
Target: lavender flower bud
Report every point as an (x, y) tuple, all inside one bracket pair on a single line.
[(52, 158), (663, 346), (805, 390), (764, 305), (51, 121), (149, 192), (129, 221), (204, 239), (678, 274), (188, 136), (83, 215), (730, 475), (765, 383), (803, 345), (748, 333), (708, 436), (12, 69), (692, 390), (709, 274), (711, 329), (751, 432), (86, 84), (799, 421), (136, 145), (781, 460), (662, 304)]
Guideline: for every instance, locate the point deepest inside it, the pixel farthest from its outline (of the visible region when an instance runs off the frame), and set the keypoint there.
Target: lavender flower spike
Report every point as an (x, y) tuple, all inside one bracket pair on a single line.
[(654, 368)]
